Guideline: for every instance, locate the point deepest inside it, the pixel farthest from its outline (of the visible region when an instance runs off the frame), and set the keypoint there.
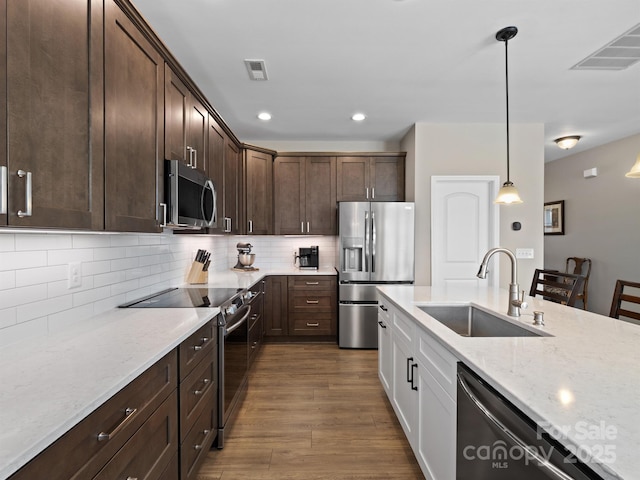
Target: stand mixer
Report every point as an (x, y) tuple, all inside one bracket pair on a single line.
[(245, 257)]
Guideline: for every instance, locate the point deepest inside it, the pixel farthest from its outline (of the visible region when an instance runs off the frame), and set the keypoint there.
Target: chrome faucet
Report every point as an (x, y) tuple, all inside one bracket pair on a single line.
[(515, 303)]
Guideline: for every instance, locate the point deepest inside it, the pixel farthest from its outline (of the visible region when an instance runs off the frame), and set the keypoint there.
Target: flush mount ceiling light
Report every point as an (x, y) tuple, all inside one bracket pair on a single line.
[(508, 194), (358, 117), (264, 116), (635, 170), (567, 142)]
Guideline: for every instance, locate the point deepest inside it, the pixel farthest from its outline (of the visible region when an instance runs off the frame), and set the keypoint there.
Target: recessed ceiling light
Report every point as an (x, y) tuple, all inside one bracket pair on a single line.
[(264, 116), (358, 117)]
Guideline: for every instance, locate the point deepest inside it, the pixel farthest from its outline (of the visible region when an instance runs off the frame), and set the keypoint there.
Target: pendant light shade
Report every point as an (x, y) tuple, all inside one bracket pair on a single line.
[(635, 170), (508, 194)]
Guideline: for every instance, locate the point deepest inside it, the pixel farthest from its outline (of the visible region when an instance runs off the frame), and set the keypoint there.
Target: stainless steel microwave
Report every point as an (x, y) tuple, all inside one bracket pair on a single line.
[(190, 197)]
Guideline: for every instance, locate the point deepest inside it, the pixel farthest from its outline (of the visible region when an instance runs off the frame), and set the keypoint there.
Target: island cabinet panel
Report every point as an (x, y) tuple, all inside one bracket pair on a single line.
[(88, 447), (305, 195), (258, 168), (52, 149), (134, 126), (371, 178), (276, 306)]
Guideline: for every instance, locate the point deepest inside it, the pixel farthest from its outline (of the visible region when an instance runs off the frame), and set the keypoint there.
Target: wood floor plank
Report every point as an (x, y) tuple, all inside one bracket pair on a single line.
[(314, 412)]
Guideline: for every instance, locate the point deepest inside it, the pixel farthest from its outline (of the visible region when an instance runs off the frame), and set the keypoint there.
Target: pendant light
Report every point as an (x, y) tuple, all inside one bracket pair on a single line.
[(635, 170), (508, 194)]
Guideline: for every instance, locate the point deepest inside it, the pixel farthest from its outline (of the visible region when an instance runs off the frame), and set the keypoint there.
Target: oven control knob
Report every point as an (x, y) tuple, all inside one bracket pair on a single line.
[(248, 295), (230, 310)]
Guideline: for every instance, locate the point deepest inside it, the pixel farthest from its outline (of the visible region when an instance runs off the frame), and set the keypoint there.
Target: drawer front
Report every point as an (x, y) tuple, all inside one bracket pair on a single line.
[(83, 453), (321, 282), (312, 324), (319, 301), (196, 393), (149, 451), (172, 472), (197, 443), (196, 347)]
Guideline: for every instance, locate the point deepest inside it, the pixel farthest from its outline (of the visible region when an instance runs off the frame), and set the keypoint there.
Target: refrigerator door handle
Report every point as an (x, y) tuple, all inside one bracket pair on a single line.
[(366, 241), (373, 242)]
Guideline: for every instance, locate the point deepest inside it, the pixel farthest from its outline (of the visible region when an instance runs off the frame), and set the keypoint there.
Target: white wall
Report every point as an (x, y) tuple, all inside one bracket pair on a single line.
[(35, 300), (479, 149), (602, 216)]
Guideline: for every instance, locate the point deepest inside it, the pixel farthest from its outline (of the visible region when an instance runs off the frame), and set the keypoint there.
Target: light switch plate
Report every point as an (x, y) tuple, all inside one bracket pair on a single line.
[(75, 275), (524, 253)]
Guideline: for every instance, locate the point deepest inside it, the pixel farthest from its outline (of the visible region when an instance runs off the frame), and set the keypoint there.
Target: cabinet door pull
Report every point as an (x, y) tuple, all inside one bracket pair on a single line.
[(199, 347), (367, 193), (3, 190), (313, 324), (199, 446), (381, 324), (383, 308), (164, 215), (28, 194), (312, 283), (132, 478), (189, 160), (373, 193), (195, 158), (308, 227), (409, 360), (413, 387), (129, 413), (250, 226), (313, 302), (205, 382), (301, 227)]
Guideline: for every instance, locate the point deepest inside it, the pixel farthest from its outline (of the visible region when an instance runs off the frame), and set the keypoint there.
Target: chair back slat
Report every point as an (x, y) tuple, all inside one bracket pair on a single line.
[(621, 294), (556, 286)]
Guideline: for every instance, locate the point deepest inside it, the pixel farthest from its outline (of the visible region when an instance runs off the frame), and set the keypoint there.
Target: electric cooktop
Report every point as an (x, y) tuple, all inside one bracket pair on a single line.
[(185, 298)]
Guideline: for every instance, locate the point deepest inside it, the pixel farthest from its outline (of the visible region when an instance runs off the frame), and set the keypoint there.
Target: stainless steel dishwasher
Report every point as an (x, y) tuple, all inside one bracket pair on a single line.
[(496, 441)]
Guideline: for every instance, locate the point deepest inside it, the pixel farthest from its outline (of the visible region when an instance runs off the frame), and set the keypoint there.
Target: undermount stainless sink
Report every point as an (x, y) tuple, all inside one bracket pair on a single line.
[(469, 321)]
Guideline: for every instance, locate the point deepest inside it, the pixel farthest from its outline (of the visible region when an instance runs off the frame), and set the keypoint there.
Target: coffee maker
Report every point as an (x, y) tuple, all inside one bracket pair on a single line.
[(309, 257)]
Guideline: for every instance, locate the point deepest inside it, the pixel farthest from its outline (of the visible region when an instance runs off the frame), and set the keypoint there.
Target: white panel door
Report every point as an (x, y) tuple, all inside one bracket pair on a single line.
[(464, 225)]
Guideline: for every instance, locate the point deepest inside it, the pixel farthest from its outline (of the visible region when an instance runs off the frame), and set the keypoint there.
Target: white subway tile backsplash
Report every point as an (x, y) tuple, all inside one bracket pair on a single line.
[(116, 268)]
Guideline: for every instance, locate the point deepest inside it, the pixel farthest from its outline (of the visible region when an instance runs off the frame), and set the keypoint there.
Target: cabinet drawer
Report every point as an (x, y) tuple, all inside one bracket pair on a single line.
[(196, 393), (80, 448), (197, 443), (149, 451), (172, 472), (319, 301), (312, 324), (196, 347), (321, 282)]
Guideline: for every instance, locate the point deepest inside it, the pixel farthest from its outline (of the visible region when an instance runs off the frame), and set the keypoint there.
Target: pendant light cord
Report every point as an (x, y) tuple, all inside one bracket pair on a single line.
[(506, 70)]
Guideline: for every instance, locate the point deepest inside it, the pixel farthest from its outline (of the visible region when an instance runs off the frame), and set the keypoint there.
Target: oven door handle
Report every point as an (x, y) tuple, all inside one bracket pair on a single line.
[(237, 324)]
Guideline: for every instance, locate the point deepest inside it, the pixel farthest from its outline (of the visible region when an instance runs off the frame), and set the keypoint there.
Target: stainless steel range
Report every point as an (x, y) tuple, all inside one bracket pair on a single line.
[(233, 339)]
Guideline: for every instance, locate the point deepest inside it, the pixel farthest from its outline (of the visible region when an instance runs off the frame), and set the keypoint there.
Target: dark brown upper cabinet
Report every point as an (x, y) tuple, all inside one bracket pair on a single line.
[(134, 125), (185, 120), (51, 145), (258, 170), (371, 178), (305, 195)]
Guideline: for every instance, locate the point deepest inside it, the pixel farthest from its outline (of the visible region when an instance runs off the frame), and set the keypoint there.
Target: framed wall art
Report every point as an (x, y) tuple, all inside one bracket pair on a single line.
[(554, 218)]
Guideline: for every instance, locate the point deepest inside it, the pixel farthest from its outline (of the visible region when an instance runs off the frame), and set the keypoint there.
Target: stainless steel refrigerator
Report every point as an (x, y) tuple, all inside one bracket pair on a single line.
[(376, 246)]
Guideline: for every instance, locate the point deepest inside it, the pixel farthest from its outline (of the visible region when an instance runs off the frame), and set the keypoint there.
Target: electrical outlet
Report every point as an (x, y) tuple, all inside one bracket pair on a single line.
[(75, 275), (524, 253)]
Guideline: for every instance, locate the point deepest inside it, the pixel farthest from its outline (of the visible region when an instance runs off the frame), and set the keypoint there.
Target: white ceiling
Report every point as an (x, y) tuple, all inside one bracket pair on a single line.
[(402, 62)]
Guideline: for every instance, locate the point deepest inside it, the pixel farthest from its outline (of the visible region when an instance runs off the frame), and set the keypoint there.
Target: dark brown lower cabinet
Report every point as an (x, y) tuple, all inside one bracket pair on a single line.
[(275, 306)]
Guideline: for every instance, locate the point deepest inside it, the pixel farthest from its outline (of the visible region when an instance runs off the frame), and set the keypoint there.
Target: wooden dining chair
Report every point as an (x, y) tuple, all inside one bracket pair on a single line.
[(556, 286), (580, 266), (622, 294)]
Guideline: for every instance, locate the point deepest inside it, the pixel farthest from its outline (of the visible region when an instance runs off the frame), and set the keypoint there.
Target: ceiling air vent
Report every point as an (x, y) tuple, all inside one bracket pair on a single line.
[(257, 69), (621, 53)]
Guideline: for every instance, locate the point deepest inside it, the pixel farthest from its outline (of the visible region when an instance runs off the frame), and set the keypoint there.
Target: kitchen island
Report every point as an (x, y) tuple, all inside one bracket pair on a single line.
[(581, 379)]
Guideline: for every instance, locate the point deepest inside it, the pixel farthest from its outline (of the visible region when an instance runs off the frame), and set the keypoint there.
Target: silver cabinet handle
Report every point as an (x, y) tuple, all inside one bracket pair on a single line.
[(205, 382), (367, 192), (164, 215), (132, 478), (199, 446), (227, 224), (250, 226), (313, 324), (373, 193), (307, 227), (313, 302), (189, 151), (199, 347), (366, 241), (373, 242), (28, 194), (312, 283), (301, 227), (128, 415), (3, 190), (195, 158), (558, 474)]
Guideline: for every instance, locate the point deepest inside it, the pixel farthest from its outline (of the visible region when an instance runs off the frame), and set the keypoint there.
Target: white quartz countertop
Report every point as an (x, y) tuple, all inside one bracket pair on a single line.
[(582, 383), (49, 384)]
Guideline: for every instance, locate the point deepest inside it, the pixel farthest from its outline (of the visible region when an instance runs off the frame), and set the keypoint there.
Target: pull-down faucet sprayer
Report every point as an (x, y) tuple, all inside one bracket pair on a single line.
[(515, 302)]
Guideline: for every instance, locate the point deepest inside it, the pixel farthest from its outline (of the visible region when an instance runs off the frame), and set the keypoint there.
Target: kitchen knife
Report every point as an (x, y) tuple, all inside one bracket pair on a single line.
[(198, 255), (206, 266)]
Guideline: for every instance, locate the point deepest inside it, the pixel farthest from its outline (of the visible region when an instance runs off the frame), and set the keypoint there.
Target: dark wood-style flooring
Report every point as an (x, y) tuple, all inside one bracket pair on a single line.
[(314, 412)]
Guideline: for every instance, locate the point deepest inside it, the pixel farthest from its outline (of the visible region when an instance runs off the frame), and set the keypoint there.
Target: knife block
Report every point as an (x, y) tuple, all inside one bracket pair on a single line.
[(197, 275)]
